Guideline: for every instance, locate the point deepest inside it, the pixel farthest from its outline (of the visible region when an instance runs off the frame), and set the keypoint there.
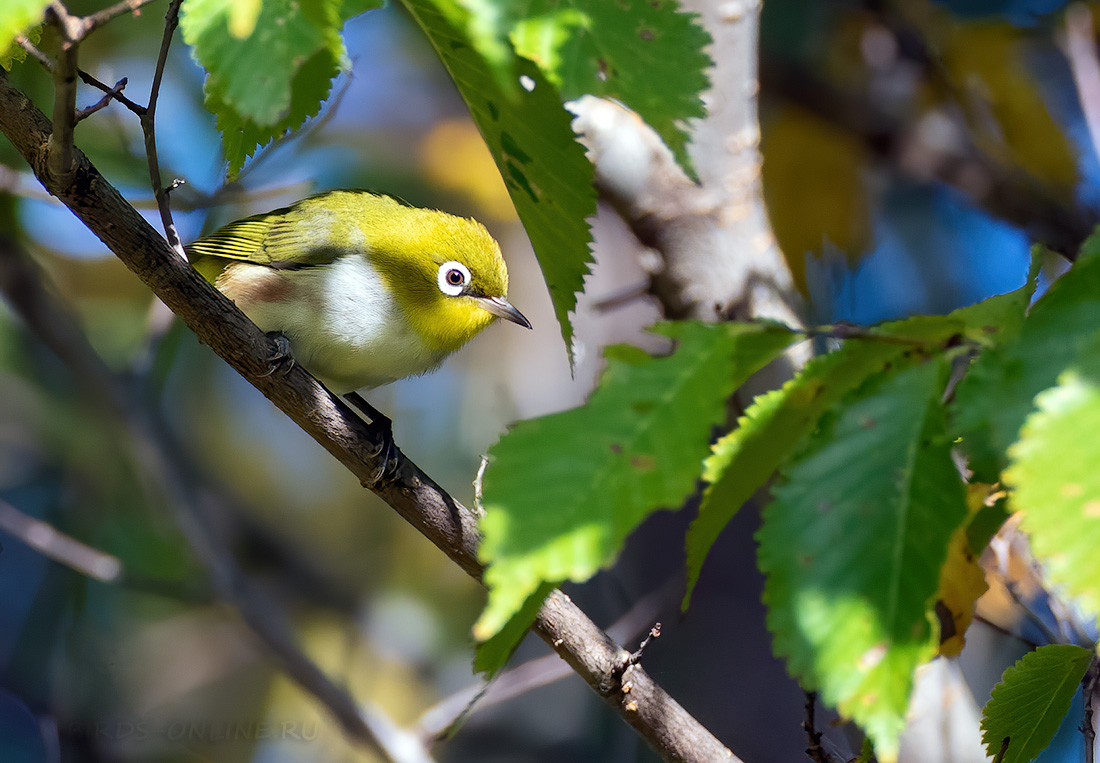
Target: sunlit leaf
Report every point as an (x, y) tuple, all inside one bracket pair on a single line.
[(998, 390), (777, 423), (269, 66), (1056, 484), (16, 17), (564, 491), (646, 54), (853, 545)]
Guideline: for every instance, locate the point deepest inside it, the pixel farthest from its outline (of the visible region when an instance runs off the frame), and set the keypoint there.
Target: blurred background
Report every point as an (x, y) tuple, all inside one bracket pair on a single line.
[(913, 151)]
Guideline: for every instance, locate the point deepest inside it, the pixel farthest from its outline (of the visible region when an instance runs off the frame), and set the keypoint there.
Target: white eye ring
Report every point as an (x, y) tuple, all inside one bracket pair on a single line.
[(453, 278)]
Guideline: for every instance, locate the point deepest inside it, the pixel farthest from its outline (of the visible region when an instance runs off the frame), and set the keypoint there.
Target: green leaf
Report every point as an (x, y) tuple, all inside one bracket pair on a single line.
[(645, 53), (771, 428), (529, 135), (1000, 318), (242, 136), (16, 17), (1031, 700), (777, 422), (493, 653), (564, 491), (998, 391), (1056, 484), (269, 65), (853, 544)]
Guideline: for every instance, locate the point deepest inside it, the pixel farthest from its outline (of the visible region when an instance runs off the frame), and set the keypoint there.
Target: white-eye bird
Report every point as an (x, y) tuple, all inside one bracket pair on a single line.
[(365, 288)]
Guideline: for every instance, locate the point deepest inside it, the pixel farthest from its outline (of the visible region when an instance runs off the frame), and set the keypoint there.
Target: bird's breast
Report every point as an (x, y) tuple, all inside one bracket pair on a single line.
[(344, 325)]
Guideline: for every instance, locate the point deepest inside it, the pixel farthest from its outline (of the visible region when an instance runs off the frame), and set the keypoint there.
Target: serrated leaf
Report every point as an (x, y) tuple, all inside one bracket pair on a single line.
[(1001, 317), (853, 545), (1028, 705), (564, 491), (269, 65), (998, 391), (645, 53), (777, 422), (528, 132), (241, 136), (16, 17), (771, 428), (1056, 484)]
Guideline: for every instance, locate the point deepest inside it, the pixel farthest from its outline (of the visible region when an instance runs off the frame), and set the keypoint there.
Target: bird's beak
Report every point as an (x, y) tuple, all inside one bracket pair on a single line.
[(502, 308)]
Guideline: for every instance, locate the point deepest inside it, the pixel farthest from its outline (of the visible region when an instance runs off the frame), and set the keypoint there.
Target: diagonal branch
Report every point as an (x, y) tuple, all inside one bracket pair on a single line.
[(664, 724)]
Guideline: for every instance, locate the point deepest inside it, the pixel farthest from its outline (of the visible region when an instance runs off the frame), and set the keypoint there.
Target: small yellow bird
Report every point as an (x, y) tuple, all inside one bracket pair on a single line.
[(365, 288)]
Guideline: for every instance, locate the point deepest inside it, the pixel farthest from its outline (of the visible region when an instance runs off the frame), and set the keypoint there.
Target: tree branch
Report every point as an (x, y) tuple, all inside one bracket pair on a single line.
[(148, 126), (99, 18), (56, 545), (665, 725), (71, 29)]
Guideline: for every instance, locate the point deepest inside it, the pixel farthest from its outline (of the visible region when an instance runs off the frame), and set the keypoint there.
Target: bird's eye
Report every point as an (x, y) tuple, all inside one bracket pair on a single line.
[(453, 279)]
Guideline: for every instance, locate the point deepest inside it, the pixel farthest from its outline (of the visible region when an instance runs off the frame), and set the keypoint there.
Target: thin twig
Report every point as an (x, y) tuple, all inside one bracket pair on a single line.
[(478, 479), (637, 654), (1080, 50), (114, 92), (87, 79), (24, 185), (99, 18), (622, 297), (844, 331), (34, 52), (814, 750), (102, 103), (56, 545), (148, 126)]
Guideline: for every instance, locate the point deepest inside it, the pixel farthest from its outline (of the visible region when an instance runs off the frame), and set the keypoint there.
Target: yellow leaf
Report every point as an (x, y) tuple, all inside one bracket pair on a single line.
[(962, 581)]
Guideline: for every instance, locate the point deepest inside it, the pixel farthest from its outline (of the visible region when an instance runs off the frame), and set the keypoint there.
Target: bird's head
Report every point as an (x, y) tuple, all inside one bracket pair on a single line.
[(446, 272)]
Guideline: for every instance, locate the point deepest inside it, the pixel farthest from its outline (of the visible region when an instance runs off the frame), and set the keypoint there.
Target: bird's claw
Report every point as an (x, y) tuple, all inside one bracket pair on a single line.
[(282, 360), (387, 455)]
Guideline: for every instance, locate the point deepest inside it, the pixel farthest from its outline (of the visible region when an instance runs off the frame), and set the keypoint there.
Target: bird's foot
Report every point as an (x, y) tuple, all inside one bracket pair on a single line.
[(282, 360), (387, 456)]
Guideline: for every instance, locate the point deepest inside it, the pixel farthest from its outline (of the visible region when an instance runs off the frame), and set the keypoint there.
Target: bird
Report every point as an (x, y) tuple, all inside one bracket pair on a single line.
[(365, 288), (360, 288)]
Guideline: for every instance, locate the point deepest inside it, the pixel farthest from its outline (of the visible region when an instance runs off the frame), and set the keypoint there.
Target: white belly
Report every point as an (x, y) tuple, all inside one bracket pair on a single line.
[(344, 326)]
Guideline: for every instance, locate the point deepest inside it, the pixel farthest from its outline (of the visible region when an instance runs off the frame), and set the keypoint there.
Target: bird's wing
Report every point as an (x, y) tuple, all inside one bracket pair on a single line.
[(282, 238)]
